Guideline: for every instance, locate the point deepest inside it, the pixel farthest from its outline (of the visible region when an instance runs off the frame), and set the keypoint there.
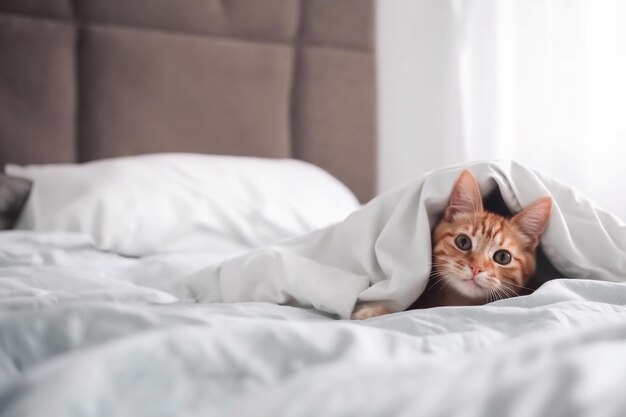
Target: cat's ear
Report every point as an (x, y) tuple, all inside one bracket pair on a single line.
[(533, 219), (465, 196)]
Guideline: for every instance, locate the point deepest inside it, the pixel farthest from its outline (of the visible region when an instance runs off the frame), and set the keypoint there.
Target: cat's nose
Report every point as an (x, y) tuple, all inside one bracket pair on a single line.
[(476, 269)]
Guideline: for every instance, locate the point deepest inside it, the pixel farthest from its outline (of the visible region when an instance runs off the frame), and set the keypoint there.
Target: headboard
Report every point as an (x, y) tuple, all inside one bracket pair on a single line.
[(89, 79)]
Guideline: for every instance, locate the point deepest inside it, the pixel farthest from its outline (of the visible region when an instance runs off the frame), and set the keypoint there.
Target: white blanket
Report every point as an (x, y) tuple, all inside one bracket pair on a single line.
[(383, 251), (86, 333)]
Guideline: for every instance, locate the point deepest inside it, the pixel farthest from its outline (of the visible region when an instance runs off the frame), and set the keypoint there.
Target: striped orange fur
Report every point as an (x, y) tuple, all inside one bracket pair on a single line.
[(480, 256), (470, 247)]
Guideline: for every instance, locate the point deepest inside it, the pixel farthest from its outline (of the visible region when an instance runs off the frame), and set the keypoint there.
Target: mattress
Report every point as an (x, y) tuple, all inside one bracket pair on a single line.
[(90, 333)]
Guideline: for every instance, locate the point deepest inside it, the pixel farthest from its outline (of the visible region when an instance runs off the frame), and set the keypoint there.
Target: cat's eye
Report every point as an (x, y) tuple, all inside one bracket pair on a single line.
[(502, 257), (463, 242)]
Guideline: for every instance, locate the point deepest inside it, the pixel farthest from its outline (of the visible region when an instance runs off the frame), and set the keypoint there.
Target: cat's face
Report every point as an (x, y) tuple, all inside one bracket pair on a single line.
[(480, 256)]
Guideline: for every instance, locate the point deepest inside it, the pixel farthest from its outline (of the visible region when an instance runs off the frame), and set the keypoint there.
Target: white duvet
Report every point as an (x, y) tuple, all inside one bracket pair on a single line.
[(383, 251), (88, 333)]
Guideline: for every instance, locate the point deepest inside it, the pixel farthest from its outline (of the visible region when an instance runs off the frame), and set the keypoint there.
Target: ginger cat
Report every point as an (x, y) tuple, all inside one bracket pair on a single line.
[(478, 257)]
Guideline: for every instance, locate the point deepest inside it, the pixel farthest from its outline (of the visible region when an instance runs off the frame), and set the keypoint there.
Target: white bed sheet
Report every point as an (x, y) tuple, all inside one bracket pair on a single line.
[(88, 333)]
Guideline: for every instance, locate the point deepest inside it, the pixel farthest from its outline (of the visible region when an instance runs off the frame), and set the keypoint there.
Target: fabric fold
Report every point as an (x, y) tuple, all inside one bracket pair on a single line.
[(383, 251)]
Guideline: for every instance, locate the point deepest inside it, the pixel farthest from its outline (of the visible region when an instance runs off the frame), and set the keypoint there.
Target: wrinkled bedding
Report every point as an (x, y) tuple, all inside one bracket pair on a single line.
[(382, 252), (89, 333)]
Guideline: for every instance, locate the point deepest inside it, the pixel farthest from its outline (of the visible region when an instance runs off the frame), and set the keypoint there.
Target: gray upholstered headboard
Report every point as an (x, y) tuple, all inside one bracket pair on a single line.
[(88, 79)]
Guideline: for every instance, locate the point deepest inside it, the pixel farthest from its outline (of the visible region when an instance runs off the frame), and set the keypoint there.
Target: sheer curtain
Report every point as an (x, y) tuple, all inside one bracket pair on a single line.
[(543, 82), (539, 81)]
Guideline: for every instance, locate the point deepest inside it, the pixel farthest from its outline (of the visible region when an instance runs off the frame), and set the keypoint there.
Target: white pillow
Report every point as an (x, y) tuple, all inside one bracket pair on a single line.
[(170, 202)]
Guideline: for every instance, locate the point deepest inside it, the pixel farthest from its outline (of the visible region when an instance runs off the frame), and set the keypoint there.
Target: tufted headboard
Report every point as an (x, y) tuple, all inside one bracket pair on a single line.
[(89, 79)]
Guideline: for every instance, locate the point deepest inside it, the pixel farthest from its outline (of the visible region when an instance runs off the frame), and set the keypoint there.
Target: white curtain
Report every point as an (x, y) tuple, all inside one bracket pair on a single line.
[(544, 82), (539, 81)]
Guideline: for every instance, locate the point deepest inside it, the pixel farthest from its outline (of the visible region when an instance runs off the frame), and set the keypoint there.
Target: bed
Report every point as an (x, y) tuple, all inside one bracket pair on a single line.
[(126, 124)]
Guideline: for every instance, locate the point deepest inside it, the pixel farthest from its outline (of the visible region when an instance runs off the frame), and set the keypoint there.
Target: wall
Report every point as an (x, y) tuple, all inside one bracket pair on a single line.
[(413, 37)]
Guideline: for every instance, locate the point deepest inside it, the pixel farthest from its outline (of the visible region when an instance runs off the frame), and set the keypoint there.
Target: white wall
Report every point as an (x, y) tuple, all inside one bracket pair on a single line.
[(412, 43)]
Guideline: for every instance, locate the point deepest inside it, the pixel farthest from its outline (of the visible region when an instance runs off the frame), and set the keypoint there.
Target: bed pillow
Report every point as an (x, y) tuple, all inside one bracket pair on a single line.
[(13, 194), (159, 203)]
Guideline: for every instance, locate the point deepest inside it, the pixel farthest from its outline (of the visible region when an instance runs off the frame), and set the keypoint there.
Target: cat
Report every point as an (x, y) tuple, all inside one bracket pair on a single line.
[(478, 256)]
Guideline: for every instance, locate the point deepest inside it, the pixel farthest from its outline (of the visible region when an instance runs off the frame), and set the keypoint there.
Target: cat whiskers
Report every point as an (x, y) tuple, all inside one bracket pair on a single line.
[(502, 293), (506, 292), (440, 278), (494, 293), (498, 292), (518, 286), (509, 291), (489, 295), (497, 295)]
